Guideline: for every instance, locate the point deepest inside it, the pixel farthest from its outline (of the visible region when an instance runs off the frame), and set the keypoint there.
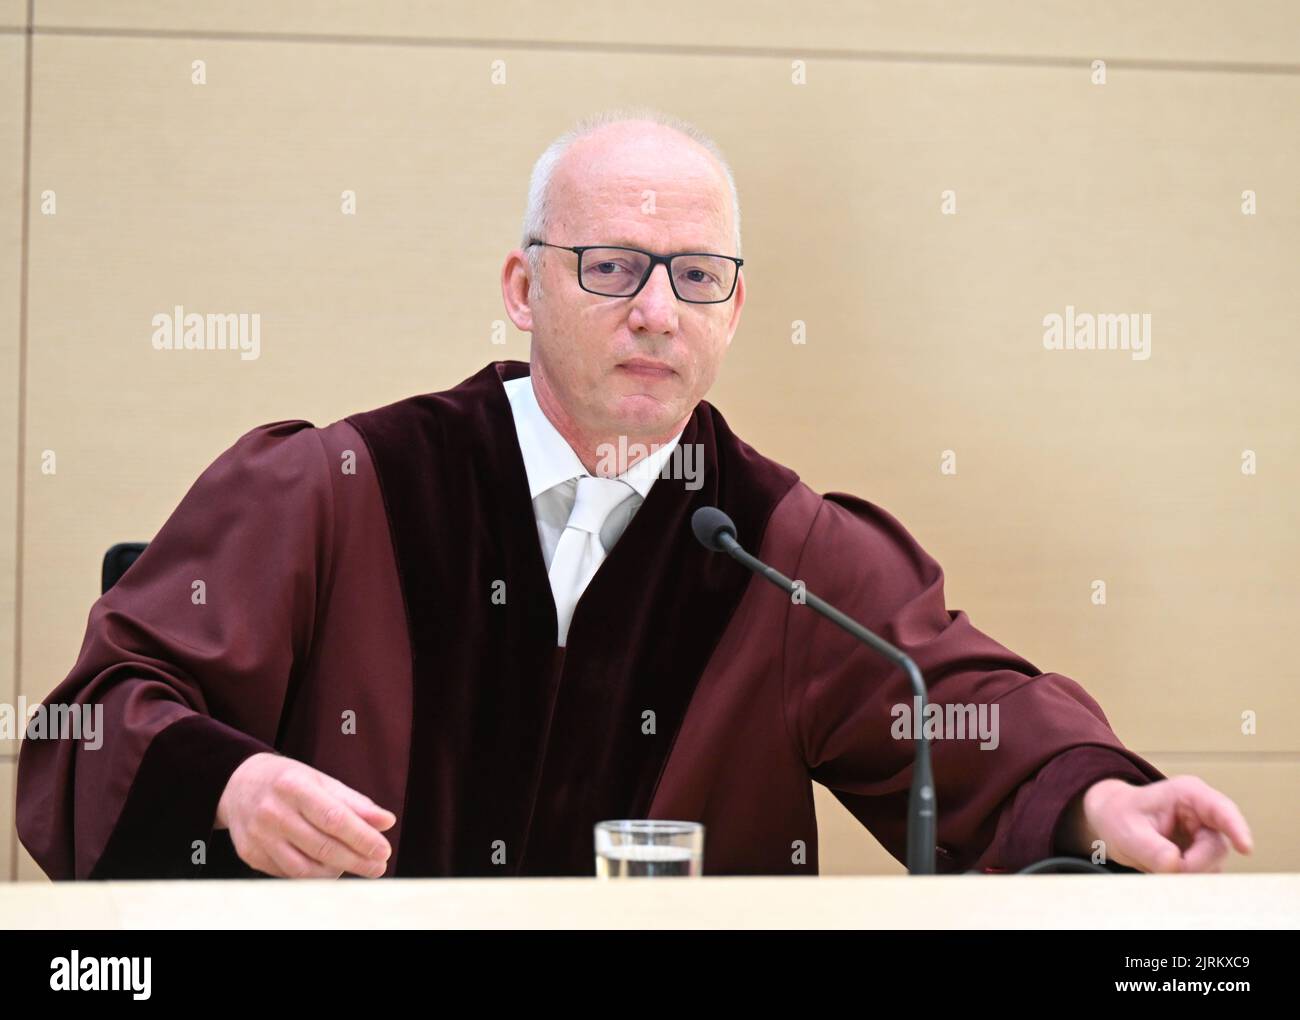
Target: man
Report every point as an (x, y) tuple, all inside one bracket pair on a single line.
[(448, 636)]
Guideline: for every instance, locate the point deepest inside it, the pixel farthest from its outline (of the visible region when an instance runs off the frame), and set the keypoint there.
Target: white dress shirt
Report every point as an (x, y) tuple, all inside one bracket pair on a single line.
[(553, 470)]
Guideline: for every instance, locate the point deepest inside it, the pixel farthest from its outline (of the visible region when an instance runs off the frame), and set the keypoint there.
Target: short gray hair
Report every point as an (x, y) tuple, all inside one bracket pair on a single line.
[(536, 216)]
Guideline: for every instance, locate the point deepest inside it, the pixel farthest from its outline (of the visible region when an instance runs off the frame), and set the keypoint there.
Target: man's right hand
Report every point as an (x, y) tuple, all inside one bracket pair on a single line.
[(290, 820)]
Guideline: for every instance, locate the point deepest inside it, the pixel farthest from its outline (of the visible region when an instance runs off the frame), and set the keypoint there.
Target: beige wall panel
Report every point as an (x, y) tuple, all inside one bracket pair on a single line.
[(844, 845), (1265, 790), (8, 843), (1267, 31), (12, 71), (924, 330), (13, 14), (26, 868), (925, 334)]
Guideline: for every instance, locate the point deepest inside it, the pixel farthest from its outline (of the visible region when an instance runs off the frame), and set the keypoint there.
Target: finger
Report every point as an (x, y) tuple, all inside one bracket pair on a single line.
[(323, 848), (380, 818), (370, 813), (1207, 852), (334, 817), (1147, 849), (290, 863), (1217, 810)]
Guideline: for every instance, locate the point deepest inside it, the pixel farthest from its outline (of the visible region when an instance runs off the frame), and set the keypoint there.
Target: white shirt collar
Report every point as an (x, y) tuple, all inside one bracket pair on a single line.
[(549, 460)]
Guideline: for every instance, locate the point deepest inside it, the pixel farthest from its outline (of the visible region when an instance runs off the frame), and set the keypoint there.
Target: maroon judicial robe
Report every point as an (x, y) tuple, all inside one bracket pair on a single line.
[(349, 574)]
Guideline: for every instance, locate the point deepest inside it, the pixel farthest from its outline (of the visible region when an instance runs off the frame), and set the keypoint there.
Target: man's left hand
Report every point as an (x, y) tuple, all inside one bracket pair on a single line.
[(1174, 825)]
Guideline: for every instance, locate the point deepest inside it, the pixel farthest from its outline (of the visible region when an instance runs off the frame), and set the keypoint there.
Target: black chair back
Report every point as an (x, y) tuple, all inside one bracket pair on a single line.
[(116, 562)]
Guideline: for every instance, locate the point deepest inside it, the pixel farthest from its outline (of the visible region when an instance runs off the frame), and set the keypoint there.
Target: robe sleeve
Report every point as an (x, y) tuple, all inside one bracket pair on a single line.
[(190, 658), (1000, 807)]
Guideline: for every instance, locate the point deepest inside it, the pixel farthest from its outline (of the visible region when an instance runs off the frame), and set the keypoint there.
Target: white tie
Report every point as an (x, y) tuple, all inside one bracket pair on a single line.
[(579, 552)]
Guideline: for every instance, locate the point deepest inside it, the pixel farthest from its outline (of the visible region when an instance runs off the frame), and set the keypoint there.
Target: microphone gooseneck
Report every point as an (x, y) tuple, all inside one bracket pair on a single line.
[(717, 533)]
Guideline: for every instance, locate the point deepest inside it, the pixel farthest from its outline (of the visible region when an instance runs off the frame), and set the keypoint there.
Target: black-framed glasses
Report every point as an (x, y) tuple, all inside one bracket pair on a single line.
[(701, 278)]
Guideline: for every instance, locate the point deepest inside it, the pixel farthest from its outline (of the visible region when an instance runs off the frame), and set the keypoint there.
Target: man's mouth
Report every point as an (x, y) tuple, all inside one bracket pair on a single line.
[(646, 368)]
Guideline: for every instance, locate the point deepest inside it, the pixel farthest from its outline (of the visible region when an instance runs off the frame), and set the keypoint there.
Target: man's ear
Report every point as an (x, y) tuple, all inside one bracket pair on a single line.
[(514, 290)]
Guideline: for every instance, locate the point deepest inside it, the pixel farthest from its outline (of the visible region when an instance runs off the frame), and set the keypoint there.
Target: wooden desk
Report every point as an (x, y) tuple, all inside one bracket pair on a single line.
[(1038, 901)]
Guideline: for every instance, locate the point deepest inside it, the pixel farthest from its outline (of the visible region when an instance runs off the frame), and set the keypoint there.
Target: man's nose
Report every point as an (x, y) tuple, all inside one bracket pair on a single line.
[(654, 308)]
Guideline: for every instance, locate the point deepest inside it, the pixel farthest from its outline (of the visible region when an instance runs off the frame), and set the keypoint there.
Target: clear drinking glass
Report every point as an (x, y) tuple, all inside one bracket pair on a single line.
[(649, 848)]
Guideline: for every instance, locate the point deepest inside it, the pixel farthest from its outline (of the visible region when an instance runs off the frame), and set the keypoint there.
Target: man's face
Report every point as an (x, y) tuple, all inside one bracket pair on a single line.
[(633, 366)]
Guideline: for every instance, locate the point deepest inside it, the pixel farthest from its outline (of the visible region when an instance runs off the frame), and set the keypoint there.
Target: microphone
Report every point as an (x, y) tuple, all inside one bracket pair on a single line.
[(717, 533)]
